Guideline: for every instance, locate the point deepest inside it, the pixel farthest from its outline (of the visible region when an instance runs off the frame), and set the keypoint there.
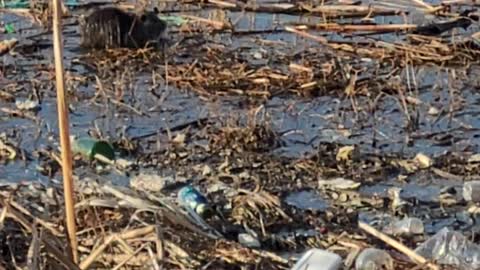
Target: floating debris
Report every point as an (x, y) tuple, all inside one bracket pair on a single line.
[(27, 104), (374, 259), (471, 191), (338, 184), (318, 259), (248, 240), (189, 197), (451, 248), (89, 148), (405, 227)]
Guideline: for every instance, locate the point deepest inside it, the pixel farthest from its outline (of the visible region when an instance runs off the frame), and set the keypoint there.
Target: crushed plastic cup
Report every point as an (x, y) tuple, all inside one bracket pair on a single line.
[(374, 259), (406, 226), (451, 248), (316, 259)]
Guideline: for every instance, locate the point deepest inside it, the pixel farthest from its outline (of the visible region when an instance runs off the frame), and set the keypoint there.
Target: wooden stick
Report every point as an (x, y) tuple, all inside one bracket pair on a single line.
[(397, 245), (64, 129)]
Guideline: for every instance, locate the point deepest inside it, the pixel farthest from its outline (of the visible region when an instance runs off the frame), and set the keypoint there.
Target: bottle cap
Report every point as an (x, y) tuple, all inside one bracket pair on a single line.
[(201, 208)]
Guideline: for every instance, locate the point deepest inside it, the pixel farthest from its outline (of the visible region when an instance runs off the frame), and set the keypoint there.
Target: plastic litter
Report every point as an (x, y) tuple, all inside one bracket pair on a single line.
[(374, 259), (316, 259), (471, 191), (189, 197), (451, 248), (89, 147), (406, 226), (9, 28), (248, 240)]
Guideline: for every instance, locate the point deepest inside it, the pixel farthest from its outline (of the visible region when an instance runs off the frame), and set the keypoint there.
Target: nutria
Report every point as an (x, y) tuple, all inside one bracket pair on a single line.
[(111, 27)]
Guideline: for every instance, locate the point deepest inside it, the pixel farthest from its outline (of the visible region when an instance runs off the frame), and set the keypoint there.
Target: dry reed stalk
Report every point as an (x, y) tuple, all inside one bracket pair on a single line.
[(372, 28), (59, 254), (40, 221), (304, 34), (64, 129), (33, 254), (336, 10), (134, 202), (97, 252), (423, 4), (6, 45), (153, 259), (397, 245), (460, 2), (19, 113), (135, 233), (223, 3), (129, 257), (396, 5), (159, 243), (51, 248)]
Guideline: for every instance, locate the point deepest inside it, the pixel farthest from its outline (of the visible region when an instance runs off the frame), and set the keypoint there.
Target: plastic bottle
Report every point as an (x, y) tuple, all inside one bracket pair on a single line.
[(406, 226), (189, 197), (315, 259), (451, 248), (374, 259)]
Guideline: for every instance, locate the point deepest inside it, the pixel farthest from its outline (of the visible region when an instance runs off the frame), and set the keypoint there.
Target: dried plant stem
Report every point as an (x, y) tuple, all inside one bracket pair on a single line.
[(122, 263), (304, 34), (373, 28), (97, 252), (397, 245), (64, 129)]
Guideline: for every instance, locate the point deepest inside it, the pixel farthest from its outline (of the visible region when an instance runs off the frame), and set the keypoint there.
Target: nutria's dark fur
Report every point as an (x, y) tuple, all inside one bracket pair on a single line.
[(111, 27)]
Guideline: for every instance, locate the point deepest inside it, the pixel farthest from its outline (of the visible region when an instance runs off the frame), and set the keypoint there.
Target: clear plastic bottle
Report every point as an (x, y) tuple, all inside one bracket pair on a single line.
[(374, 259), (451, 248), (406, 226)]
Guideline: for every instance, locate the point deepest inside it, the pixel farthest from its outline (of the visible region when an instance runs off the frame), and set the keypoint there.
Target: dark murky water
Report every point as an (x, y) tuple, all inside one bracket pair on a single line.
[(307, 200)]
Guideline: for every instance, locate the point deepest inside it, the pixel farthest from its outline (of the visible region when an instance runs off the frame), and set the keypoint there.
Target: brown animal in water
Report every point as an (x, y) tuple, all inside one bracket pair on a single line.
[(111, 27)]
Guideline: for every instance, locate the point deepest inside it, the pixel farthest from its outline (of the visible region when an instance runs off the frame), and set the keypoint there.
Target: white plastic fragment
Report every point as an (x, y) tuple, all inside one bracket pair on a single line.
[(248, 240), (471, 191), (318, 259), (26, 104)]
